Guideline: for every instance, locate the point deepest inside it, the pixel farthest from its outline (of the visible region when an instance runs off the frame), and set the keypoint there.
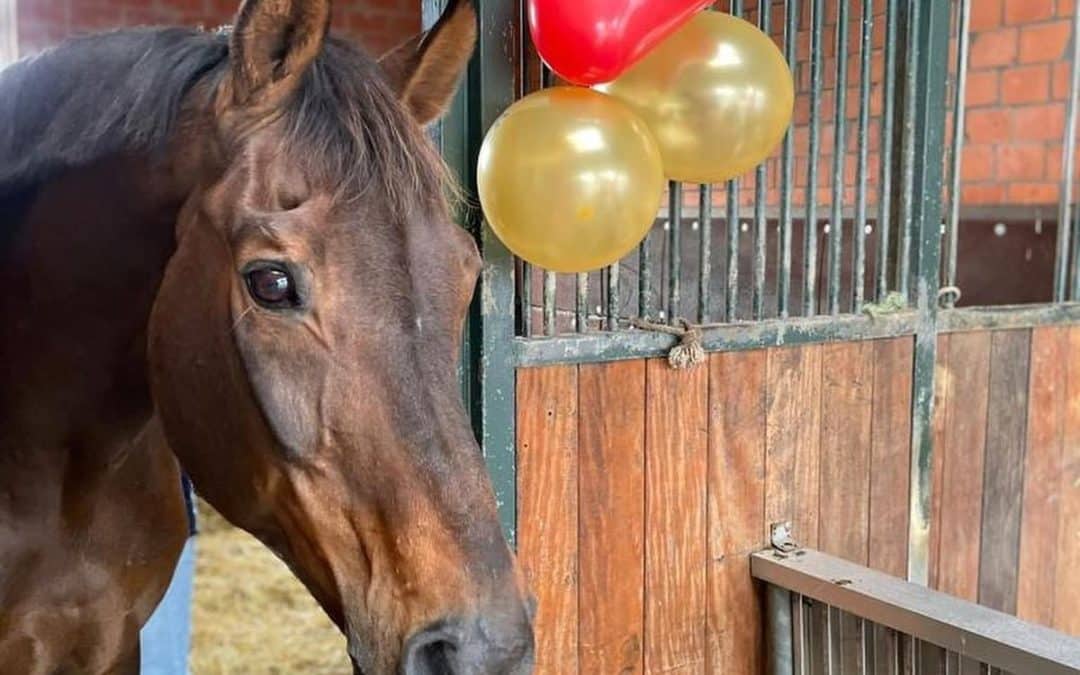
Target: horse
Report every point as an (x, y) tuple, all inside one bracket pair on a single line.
[(233, 251)]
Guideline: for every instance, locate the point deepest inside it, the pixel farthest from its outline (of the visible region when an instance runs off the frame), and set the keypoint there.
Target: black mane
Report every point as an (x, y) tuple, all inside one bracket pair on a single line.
[(122, 92)]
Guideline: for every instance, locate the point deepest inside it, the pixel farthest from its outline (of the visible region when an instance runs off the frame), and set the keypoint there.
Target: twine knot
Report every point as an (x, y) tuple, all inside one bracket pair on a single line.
[(689, 351)]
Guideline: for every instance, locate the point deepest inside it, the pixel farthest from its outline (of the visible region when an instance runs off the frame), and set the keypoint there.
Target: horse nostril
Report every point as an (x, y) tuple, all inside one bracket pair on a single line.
[(430, 652)]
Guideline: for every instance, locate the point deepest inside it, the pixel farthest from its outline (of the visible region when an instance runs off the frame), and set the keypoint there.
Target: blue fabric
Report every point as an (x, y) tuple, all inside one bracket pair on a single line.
[(166, 637)]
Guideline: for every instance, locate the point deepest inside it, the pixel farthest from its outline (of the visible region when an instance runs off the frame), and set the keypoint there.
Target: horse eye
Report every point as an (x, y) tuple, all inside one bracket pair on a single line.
[(271, 287)]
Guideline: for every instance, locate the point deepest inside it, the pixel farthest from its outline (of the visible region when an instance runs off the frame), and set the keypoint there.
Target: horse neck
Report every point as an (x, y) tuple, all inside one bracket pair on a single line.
[(83, 259)]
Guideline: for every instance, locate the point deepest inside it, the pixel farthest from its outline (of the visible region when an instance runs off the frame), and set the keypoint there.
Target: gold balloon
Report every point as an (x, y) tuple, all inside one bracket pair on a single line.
[(570, 179), (717, 95)]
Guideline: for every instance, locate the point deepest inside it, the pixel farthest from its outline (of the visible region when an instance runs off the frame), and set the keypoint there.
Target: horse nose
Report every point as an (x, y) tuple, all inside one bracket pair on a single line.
[(488, 645)]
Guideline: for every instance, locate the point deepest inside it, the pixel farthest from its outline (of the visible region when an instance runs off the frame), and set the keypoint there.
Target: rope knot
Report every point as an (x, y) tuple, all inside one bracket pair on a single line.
[(689, 351)]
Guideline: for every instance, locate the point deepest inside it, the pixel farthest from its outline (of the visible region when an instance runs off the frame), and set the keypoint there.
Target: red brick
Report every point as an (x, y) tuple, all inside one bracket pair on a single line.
[(1025, 84), (1059, 81), (982, 88), (1027, 11), (977, 162), (994, 48), (983, 194), (1033, 193), (987, 125), (985, 14), (1066, 7), (1044, 122), (1045, 42), (1038, 123), (1021, 162)]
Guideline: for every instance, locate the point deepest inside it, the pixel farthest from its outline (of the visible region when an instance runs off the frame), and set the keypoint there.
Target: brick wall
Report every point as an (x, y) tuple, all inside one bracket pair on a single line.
[(376, 24), (1018, 81)]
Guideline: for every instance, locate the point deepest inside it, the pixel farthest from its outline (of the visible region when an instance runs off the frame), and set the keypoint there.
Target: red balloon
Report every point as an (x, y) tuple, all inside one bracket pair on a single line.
[(592, 41)]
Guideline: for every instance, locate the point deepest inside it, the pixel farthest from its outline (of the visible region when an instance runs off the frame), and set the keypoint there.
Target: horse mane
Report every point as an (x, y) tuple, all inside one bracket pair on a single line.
[(119, 92)]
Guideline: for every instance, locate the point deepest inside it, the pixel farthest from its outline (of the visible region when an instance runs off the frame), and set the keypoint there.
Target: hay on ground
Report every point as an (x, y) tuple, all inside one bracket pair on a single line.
[(250, 616)]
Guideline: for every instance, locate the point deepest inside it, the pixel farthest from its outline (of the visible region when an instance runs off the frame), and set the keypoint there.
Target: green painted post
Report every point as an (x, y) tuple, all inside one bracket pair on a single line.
[(488, 359), (931, 41)]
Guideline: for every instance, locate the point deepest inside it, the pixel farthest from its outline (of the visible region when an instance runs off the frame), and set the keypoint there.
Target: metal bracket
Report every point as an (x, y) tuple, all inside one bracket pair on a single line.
[(780, 537)]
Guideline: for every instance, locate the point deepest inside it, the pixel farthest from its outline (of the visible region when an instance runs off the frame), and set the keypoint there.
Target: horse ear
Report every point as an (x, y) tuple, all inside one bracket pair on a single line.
[(425, 70), (273, 42)]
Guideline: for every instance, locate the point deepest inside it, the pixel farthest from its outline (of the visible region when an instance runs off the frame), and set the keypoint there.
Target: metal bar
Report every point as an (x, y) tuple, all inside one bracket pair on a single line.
[(550, 291), (778, 613), (798, 634), (836, 221), (928, 140), (674, 250), (731, 296), (952, 228), (951, 623), (908, 146), (705, 252), (761, 237), (582, 304), (1007, 317), (1068, 173), (731, 301), (783, 283), (613, 297), (645, 299), (810, 226), (888, 132), (638, 344), (866, 50), (526, 299)]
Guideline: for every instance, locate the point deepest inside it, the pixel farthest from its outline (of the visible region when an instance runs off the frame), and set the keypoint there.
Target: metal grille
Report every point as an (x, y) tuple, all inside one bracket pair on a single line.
[(826, 224)]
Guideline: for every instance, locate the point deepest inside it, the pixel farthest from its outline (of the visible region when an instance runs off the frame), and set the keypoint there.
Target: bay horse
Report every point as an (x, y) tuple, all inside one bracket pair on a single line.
[(234, 249)]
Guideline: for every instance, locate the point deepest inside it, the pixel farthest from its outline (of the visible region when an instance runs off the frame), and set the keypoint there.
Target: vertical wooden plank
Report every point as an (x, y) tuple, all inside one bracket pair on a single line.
[(940, 424), (547, 508), (793, 437), (611, 441), (736, 499), (1003, 482), (676, 462), (962, 453), (847, 372), (1067, 606), (890, 455), (1039, 516)]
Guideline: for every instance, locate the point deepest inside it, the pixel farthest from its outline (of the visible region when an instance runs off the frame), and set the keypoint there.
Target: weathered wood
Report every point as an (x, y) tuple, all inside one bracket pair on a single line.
[(676, 462), (547, 405), (962, 463), (942, 380), (1003, 482), (1036, 592), (736, 499), (793, 425), (1067, 606), (611, 438), (847, 373), (890, 455)]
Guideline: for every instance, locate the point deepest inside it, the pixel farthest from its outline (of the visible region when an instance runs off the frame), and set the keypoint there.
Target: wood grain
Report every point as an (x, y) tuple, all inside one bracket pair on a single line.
[(1067, 606), (676, 458), (847, 375), (793, 426), (942, 380), (611, 439), (547, 407), (964, 440), (1003, 482), (736, 515), (890, 455), (1036, 591)]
